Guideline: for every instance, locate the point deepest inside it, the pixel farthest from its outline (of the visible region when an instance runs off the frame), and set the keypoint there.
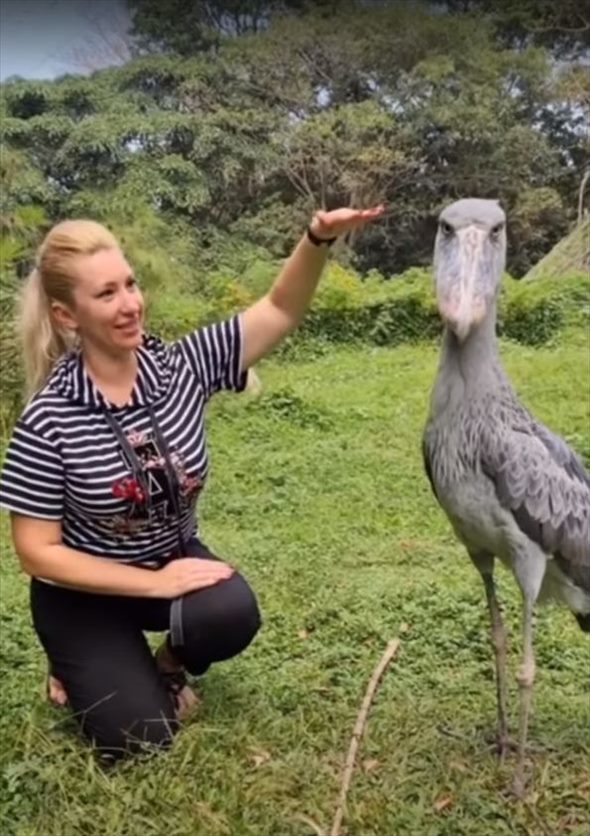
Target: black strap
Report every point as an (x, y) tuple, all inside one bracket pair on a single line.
[(139, 473), (176, 623), (136, 467), (172, 478)]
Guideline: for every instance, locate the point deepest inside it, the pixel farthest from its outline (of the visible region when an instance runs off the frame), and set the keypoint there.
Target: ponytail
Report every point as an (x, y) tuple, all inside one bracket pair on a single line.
[(43, 342), (53, 279)]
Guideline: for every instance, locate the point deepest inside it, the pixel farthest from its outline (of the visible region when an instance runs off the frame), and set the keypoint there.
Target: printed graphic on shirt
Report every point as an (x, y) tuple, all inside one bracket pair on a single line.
[(156, 505)]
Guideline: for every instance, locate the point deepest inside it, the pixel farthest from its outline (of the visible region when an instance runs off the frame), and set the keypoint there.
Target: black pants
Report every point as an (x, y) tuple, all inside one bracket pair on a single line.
[(97, 648)]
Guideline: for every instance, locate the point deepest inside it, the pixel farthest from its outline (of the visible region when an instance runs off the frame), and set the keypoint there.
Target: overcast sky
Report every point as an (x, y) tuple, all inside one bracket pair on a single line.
[(45, 38)]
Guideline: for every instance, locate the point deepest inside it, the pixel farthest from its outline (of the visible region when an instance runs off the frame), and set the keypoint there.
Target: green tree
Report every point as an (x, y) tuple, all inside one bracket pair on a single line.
[(562, 27), (188, 27), (233, 149)]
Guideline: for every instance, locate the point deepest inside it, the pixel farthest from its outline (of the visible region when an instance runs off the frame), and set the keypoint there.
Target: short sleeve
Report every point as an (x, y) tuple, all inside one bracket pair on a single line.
[(214, 354), (32, 478)]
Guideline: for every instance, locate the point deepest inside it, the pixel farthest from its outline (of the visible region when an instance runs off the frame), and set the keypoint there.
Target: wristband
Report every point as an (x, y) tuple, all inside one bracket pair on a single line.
[(318, 241)]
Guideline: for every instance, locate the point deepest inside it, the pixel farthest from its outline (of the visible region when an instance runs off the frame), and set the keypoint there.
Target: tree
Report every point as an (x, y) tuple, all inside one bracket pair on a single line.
[(562, 27), (379, 102), (188, 27)]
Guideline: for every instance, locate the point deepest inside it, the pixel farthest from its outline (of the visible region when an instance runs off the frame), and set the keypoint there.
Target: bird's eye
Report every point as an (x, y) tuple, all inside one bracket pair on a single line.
[(446, 229), (496, 230)]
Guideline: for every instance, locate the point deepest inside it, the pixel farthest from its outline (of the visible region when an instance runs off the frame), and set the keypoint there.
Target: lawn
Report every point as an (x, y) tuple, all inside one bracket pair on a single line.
[(317, 493)]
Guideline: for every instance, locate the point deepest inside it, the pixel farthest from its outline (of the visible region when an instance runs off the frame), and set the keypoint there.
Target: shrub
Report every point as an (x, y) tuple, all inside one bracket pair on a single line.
[(347, 309), (533, 311)]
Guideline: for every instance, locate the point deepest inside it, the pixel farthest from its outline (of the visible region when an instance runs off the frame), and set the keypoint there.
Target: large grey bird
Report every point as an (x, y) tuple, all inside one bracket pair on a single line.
[(510, 487)]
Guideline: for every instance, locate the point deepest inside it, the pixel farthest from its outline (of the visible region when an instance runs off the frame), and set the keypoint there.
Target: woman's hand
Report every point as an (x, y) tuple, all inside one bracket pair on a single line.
[(189, 574), (340, 221)]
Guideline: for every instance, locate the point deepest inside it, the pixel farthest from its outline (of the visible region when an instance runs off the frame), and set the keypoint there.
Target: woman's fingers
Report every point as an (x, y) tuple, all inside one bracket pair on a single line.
[(185, 575), (343, 220)]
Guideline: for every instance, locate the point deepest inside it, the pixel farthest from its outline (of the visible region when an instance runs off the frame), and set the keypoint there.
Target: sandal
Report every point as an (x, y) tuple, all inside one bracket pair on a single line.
[(176, 683)]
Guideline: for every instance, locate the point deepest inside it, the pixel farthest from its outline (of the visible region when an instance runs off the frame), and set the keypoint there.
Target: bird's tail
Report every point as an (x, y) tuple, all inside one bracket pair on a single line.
[(583, 621)]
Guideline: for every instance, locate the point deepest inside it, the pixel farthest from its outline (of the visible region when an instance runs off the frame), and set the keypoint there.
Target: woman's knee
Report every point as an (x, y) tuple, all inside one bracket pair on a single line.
[(237, 609), (224, 620)]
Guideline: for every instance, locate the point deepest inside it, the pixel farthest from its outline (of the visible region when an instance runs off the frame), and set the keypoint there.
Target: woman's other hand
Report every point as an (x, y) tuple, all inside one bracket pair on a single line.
[(189, 574)]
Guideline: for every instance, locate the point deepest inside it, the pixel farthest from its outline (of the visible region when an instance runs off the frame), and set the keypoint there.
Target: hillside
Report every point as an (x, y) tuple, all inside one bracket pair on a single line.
[(570, 255)]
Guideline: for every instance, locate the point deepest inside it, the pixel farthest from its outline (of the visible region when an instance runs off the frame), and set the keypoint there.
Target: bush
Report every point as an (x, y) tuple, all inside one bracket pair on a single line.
[(532, 312), (375, 311), (346, 309)]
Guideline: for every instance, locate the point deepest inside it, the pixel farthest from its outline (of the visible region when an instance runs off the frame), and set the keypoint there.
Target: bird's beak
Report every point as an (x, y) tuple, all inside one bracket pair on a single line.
[(460, 299)]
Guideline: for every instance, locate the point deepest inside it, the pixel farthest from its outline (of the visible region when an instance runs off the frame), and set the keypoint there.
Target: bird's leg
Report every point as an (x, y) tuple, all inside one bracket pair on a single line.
[(525, 678), (499, 644), (484, 563)]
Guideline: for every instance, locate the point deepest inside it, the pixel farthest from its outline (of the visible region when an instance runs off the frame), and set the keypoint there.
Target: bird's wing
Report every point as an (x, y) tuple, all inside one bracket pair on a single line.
[(546, 487)]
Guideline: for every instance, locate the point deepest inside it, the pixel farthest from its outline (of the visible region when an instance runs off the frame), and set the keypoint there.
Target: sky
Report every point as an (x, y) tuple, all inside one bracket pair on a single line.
[(48, 38)]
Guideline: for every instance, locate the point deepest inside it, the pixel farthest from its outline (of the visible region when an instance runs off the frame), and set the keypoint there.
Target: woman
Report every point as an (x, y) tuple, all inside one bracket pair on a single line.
[(104, 469)]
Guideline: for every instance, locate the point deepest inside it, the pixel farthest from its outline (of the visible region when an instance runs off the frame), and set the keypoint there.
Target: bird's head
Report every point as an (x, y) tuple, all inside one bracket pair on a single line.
[(469, 258)]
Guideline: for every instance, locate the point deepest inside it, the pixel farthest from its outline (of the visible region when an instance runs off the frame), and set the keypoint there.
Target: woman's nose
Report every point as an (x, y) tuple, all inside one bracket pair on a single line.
[(131, 301)]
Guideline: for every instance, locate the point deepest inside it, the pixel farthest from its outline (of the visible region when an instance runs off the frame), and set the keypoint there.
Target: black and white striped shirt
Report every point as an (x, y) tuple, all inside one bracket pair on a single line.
[(65, 463)]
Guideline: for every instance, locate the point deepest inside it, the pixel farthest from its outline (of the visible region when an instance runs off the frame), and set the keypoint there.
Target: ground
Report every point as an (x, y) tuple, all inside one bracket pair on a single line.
[(317, 494)]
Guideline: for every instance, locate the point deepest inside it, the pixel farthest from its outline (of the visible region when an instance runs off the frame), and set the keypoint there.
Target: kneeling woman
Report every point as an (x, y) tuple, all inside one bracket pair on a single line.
[(103, 471)]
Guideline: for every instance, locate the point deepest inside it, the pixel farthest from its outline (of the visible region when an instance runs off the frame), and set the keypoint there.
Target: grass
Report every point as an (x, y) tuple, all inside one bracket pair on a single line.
[(317, 493)]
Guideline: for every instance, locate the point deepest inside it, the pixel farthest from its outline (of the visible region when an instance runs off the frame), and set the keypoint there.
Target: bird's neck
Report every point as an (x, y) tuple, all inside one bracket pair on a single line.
[(478, 352), (469, 367)]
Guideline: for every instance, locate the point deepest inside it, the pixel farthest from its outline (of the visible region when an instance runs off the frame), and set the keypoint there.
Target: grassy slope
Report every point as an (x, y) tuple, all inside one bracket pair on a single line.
[(320, 498), (571, 254)]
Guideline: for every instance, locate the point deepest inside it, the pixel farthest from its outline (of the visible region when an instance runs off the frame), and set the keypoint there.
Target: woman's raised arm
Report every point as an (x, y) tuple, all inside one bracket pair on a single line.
[(270, 319)]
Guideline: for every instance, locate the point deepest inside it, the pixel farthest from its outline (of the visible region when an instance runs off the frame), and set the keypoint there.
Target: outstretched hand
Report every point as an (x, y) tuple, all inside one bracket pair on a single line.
[(340, 221)]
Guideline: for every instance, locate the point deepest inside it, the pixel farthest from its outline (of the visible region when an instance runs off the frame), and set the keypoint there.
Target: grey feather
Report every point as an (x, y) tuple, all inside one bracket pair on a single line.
[(544, 484)]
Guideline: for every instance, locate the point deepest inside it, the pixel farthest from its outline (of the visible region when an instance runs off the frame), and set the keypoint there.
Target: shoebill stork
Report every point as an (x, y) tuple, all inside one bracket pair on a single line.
[(511, 488)]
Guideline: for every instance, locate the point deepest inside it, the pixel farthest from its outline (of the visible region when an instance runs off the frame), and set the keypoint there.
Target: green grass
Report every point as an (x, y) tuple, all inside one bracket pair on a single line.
[(317, 493)]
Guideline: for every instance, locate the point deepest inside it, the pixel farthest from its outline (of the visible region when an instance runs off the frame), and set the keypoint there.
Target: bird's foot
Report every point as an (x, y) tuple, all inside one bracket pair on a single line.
[(504, 745), (518, 787)]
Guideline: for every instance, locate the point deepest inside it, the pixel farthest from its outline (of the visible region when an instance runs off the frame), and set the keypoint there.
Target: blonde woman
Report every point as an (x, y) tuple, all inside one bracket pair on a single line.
[(104, 469)]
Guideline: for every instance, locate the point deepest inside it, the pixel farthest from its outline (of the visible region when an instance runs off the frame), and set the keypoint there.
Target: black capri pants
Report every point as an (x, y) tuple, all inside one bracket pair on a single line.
[(96, 646)]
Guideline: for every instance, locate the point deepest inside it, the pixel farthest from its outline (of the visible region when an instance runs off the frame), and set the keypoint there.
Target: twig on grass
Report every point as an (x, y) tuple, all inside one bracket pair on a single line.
[(319, 831), (357, 733)]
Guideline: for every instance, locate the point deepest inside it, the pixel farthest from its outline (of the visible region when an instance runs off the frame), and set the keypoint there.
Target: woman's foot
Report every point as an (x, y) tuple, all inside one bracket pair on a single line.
[(187, 702), (56, 693)]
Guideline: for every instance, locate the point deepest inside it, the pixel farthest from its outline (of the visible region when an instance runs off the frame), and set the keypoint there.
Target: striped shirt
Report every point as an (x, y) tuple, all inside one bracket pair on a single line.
[(65, 463)]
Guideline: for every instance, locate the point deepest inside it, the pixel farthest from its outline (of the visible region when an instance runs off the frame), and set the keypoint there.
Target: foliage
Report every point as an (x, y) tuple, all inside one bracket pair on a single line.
[(563, 27), (295, 108), (20, 226), (351, 310), (190, 26)]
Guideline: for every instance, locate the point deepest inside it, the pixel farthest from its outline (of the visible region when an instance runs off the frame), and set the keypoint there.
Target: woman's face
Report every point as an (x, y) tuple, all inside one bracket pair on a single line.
[(108, 306)]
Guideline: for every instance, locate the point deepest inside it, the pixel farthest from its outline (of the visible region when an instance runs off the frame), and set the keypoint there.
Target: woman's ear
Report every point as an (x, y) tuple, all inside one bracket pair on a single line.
[(63, 317)]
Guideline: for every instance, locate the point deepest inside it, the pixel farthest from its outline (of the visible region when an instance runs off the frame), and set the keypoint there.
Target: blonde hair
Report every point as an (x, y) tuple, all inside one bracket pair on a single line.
[(53, 279)]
